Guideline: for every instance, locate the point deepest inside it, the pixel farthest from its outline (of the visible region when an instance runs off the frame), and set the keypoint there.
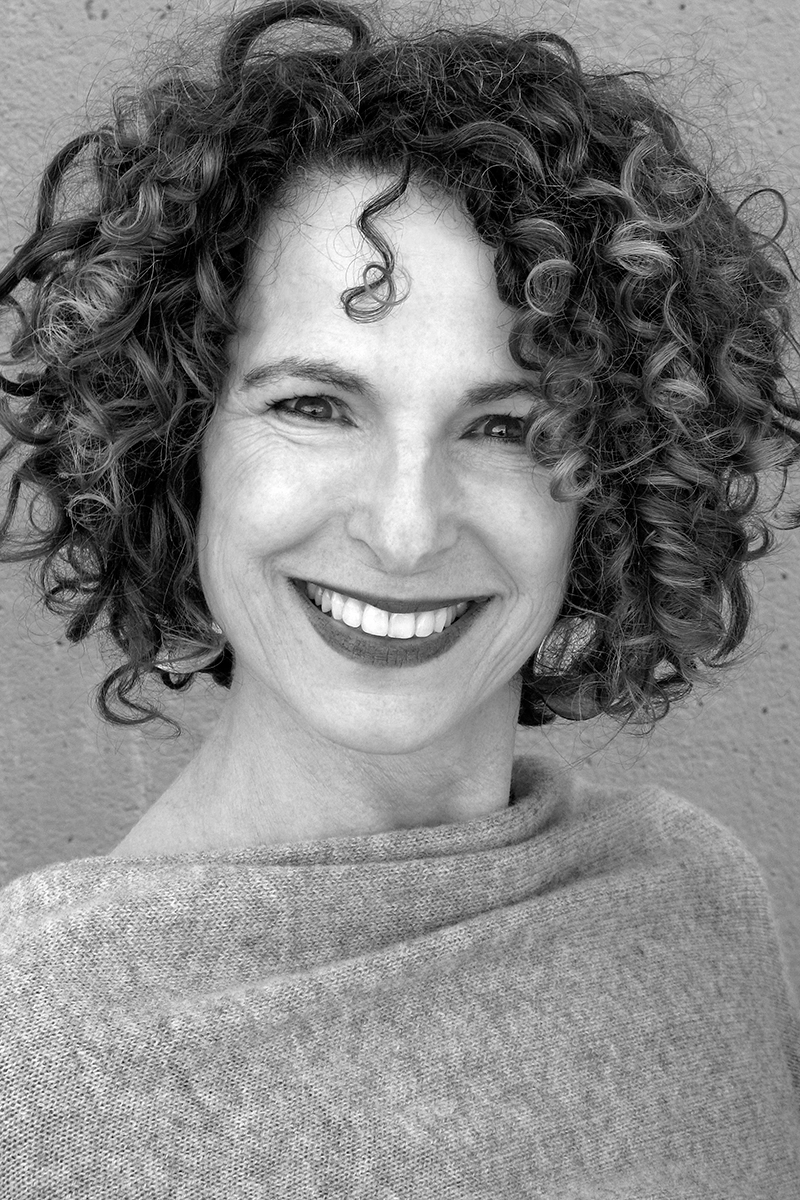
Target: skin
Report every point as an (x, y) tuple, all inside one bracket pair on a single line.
[(402, 494)]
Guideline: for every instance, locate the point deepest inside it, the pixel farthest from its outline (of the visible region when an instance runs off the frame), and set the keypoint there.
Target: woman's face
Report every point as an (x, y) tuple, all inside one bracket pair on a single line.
[(378, 460)]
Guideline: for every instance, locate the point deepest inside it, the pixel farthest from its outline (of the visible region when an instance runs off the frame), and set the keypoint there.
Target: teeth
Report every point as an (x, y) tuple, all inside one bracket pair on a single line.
[(357, 614), (352, 613), (375, 620), (402, 625), (425, 623)]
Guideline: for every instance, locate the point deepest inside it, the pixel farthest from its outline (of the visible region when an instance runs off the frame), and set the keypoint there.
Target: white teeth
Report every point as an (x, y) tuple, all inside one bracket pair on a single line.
[(402, 625), (375, 620), (352, 612), (425, 623), (356, 614)]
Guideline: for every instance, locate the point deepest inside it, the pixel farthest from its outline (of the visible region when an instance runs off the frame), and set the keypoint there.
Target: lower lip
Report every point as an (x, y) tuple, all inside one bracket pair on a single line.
[(376, 651)]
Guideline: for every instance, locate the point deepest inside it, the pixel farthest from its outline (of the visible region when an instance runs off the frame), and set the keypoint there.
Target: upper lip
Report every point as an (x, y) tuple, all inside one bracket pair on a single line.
[(388, 604)]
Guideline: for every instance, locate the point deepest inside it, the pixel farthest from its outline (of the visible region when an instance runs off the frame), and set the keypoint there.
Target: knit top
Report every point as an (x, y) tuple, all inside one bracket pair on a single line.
[(580, 996)]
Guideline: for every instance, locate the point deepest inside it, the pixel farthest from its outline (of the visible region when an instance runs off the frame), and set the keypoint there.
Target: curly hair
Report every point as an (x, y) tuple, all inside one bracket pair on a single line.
[(657, 318)]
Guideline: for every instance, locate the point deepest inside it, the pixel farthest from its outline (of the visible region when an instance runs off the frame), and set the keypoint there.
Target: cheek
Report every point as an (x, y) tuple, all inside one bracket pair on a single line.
[(562, 538), (256, 499), (565, 538), (545, 552)]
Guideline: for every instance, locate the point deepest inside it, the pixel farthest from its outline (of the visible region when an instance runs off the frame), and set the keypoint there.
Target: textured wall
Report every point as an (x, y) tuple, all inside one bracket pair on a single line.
[(71, 787)]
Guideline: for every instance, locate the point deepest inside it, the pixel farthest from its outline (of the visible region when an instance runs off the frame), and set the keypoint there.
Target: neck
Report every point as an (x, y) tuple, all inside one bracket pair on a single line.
[(272, 780)]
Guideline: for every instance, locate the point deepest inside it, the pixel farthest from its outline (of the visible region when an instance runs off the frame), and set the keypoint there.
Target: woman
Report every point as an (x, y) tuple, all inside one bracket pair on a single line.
[(413, 389)]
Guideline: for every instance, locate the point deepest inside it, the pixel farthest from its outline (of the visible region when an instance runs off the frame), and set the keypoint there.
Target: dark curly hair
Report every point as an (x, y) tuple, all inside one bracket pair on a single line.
[(657, 317)]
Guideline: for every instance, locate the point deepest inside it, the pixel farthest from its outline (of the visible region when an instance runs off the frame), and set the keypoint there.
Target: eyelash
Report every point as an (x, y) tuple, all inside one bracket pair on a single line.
[(280, 406)]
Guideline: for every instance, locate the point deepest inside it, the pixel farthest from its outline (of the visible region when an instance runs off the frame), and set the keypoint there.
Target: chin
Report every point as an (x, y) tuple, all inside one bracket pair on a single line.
[(392, 731)]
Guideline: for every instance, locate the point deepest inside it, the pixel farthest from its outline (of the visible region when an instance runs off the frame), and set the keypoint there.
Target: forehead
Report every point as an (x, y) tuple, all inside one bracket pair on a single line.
[(310, 250)]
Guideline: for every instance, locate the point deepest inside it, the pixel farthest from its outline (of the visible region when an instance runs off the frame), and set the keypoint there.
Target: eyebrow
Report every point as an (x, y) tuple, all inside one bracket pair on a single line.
[(325, 370)]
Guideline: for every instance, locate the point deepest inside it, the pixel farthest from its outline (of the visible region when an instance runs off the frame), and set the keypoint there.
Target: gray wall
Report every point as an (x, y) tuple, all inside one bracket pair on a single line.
[(70, 786)]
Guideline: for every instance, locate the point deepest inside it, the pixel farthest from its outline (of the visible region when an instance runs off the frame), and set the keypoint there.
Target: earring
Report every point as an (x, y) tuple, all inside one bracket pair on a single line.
[(186, 655), (564, 644)]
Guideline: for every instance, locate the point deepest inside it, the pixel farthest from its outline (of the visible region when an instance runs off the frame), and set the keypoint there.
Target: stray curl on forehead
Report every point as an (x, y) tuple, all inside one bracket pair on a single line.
[(304, 193)]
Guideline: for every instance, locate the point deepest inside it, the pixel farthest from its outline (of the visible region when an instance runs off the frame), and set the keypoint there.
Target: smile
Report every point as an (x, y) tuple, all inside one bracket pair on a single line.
[(380, 622), (401, 645)]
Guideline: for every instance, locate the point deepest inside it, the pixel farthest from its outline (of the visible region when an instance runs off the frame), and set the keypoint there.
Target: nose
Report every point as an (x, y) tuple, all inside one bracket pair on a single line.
[(406, 506)]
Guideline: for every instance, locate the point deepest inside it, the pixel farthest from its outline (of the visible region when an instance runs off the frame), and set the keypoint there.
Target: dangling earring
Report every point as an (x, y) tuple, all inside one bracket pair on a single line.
[(550, 651), (185, 656), (563, 644)]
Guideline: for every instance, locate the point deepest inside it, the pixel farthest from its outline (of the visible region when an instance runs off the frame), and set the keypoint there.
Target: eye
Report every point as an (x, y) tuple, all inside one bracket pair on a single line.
[(320, 403), (504, 429)]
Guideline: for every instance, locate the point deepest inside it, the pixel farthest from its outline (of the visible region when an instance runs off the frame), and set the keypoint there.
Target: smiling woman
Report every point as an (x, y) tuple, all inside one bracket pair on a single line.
[(386, 487), (414, 388)]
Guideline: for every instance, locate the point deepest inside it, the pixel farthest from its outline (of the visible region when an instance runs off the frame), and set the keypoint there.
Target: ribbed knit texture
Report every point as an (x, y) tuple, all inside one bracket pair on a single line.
[(581, 996)]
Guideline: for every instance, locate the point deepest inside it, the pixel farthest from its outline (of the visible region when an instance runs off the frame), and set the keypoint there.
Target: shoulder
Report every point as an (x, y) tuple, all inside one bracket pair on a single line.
[(675, 875), (656, 825), (656, 886), (656, 850), (70, 913)]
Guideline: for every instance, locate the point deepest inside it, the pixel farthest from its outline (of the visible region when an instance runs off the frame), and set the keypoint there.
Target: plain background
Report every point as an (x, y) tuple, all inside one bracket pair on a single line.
[(71, 786)]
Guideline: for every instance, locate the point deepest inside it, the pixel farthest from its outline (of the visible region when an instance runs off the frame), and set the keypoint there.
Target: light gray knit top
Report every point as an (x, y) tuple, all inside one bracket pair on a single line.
[(581, 996)]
